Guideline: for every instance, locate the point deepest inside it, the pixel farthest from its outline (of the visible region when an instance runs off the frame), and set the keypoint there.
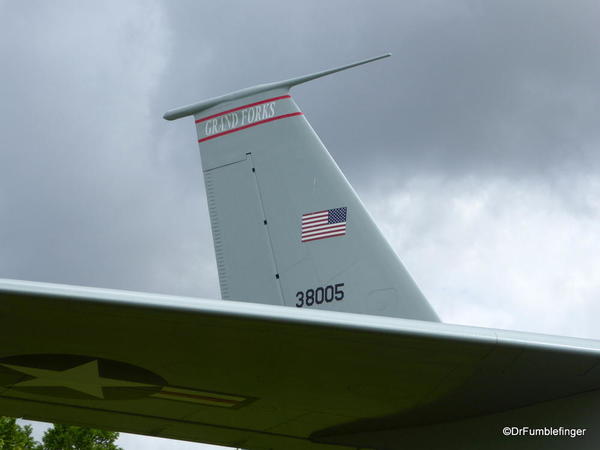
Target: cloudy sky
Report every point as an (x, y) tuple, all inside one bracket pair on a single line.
[(475, 146)]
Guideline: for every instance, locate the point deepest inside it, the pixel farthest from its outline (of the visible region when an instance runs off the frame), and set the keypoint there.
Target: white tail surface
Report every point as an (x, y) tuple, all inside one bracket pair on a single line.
[(288, 228)]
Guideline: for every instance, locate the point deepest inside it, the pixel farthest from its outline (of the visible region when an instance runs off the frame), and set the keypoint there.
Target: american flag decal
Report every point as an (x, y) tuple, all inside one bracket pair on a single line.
[(323, 224)]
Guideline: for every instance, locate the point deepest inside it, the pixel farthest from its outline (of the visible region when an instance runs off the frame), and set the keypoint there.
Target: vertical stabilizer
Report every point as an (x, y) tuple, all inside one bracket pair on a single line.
[(288, 228)]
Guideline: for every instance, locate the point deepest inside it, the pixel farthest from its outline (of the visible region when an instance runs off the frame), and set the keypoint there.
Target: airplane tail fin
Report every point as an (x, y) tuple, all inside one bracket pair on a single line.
[(287, 226)]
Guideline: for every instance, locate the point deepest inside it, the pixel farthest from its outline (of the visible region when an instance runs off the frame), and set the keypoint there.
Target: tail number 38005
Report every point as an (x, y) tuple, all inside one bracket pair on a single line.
[(320, 295)]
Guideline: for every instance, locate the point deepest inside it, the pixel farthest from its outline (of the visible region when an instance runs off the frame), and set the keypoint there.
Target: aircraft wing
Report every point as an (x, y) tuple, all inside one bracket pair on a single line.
[(263, 376)]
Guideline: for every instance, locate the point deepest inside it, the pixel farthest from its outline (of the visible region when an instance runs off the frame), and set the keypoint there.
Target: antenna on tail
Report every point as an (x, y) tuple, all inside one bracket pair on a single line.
[(194, 108)]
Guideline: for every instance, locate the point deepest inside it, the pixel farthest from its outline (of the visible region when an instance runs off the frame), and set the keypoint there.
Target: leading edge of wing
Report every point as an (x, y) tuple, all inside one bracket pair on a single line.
[(121, 300)]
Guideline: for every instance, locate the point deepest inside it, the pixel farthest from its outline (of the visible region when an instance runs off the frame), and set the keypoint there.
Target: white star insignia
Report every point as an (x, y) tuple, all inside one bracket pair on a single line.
[(83, 378)]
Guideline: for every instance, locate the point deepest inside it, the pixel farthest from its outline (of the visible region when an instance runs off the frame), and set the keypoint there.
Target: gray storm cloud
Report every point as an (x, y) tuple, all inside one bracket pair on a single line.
[(474, 146), (506, 88)]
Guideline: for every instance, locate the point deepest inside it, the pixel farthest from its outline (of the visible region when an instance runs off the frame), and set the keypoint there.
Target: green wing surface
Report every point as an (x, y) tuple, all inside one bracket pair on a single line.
[(266, 376)]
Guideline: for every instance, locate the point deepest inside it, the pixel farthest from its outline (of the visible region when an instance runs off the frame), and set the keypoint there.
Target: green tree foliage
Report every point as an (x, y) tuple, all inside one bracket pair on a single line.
[(64, 437), (59, 437), (15, 437)]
